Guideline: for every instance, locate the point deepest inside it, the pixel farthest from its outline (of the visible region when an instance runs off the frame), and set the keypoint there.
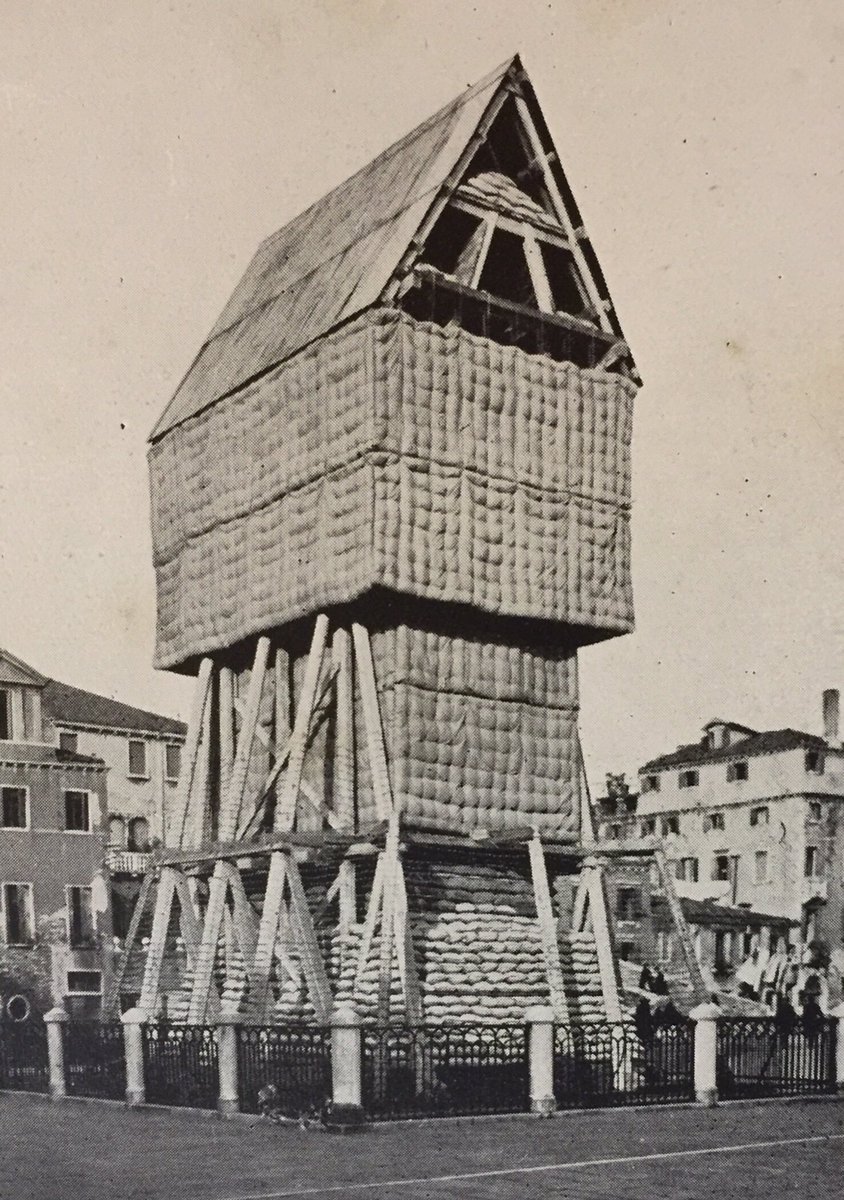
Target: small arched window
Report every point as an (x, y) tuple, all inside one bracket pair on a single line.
[(116, 831), (138, 834)]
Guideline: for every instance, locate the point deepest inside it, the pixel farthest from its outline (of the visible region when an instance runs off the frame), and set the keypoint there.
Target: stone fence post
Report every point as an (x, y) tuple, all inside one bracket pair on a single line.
[(346, 1041), (228, 1101), (540, 1023), (838, 1014), (55, 1020), (133, 1043), (705, 1017)]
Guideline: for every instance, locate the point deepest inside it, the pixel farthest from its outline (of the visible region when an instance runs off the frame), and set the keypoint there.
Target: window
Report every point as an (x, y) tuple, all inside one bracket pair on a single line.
[(815, 810), (815, 762), (664, 946), (85, 981), (172, 762), (614, 832), (737, 772), (84, 994), (811, 862), (77, 813), (723, 949), (687, 870), (18, 914), (721, 867), (13, 806), (138, 834), (714, 820), (689, 779), (69, 742), (80, 917), (138, 759), (670, 825), (650, 783), (760, 866), (5, 716), (759, 815), (116, 831), (649, 827), (628, 904)]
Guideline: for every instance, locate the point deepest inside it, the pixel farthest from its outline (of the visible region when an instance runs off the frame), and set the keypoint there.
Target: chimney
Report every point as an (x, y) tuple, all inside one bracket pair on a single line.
[(830, 717)]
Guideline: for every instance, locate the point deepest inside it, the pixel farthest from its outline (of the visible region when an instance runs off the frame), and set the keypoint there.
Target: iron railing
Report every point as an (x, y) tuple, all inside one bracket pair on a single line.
[(444, 1070), (293, 1061), (23, 1056), (94, 1061), (761, 1056), (599, 1064), (180, 1065)]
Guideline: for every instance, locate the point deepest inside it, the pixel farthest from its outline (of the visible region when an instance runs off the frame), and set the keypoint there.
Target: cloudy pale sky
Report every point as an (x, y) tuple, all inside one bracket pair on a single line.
[(146, 149)]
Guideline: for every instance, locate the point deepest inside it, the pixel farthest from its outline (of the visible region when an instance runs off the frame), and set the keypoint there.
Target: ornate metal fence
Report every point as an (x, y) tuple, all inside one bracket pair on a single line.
[(444, 1070), (94, 1061), (294, 1061), (760, 1056), (597, 1065), (180, 1065), (23, 1056)]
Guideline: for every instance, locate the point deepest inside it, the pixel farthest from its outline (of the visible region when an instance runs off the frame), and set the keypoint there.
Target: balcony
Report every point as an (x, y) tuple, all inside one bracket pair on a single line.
[(813, 888), (127, 862)]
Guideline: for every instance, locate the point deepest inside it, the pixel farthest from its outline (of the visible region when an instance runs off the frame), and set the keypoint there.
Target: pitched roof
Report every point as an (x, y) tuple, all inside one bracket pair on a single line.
[(13, 670), (337, 257), (771, 741), (67, 705), (709, 912)]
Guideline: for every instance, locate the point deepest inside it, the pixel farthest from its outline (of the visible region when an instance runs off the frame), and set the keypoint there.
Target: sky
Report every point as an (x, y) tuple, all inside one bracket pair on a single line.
[(148, 147)]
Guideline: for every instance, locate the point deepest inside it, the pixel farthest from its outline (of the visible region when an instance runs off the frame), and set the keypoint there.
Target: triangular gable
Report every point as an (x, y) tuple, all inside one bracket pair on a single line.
[(16, 673), (354, 247)]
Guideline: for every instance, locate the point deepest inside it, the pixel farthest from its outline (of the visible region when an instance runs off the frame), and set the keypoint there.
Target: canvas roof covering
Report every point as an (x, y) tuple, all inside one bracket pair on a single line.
[(336, 258)]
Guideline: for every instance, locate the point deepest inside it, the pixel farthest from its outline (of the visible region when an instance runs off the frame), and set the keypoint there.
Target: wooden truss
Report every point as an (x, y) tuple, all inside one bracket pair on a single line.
[(227, 818)]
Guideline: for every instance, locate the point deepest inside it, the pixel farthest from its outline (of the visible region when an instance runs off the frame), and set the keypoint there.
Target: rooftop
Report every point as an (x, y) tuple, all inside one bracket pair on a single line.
[(66, 705), (770, 741)]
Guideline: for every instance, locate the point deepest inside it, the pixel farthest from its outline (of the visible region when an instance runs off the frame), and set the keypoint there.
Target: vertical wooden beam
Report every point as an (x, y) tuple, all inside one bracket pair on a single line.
[(230, 814), (547, 928), (158, 941), (268, 932), (188, 921), (604, 940), (226, 719), (406, 953), (388, 921), (372, 723), (207, 953), (312, 964), (285, 812), (538, 274), (244, 918), (373, 910), (113, 999), (581, 900), (184, 787), (344, 772)]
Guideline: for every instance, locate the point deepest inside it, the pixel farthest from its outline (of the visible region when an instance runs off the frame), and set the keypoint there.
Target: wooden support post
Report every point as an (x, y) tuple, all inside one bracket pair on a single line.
[(406, 953), (344, 773), (371, 920), (388, 920), (207, 953), (581, 900), (604, 940), (230, 810), (268, 932), (547, 928), (312, 964), (158, 940), (226, 720), (188, 921), (112, 1005), (184, 787), (244, 918), (699, 990), (285, 813), (372, 723)]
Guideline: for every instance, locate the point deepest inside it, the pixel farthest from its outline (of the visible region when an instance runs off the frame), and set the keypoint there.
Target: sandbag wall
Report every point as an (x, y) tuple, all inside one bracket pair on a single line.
[(398, 453)]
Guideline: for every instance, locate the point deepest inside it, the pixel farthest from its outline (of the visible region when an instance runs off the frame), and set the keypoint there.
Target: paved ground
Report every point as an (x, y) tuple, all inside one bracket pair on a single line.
[(79, 1151)]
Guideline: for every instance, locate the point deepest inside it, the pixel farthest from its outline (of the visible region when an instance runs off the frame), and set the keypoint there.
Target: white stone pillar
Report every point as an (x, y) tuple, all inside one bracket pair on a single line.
[(55, 1020), (133, 1044), (346, 1041), (705, 1017), (228, 1100), (540, 1023), (838, 1014)]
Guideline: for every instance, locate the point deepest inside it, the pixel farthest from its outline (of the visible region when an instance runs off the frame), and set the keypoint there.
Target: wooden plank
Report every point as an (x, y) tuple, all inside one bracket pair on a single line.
[(547, 929), (538, 274), (158, 941), (198, 1005), (113, 1000), (561, 211), (604, 941), (226, 719), (285, 813), (373, 911), (699, 989), (344, 737), (388, 922), (280, 754), (618, 350), (267, 843), (188, 920), (372, 724), (230, 814), (184, 787), (581, 901), (308, 946), (490, 225), (406, 953), (268, 933), (198, 823), (245, 919)]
